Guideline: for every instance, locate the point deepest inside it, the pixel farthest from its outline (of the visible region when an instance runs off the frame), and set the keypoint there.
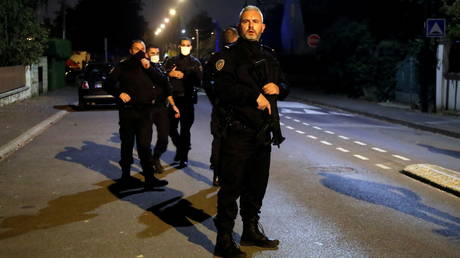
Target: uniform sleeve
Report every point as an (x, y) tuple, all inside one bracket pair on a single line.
[(111, 84), (229, 88), (198, 70)]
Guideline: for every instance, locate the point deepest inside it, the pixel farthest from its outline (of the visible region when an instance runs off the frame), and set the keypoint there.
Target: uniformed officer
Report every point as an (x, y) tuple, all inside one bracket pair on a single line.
[(160, 111), (134, 82), (247, 76), (185, 73), (230, 36)]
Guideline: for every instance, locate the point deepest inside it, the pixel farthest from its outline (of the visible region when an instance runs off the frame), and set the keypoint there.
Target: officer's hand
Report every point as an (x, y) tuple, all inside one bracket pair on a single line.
[(145, 63), (271, 89), (124, 97), (176, 73), (262, 104), (176, 110)]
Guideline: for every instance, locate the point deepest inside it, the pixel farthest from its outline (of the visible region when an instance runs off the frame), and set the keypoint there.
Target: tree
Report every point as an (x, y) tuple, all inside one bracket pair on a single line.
[(23, 38), (452, 10)]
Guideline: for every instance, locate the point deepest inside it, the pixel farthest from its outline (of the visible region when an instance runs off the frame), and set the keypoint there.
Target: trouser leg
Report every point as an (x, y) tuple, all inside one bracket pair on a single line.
[(161, 121), (127, 133)]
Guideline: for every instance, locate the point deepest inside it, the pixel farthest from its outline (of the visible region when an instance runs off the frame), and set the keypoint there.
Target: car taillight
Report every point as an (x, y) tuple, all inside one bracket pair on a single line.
[(85, 85)]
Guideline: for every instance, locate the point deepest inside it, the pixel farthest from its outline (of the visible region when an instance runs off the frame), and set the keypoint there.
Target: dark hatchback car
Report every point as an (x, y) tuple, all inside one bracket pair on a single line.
[(90, 91)]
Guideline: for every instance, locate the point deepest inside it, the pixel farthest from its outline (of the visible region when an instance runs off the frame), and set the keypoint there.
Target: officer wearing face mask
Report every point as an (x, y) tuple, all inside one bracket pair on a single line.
[(185, 73), (160, 112)]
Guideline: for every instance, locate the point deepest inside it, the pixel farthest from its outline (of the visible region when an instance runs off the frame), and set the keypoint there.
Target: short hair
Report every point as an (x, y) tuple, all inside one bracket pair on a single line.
[(252, 8), (137, 41), (152, 46), (185, 38), (232, 29)]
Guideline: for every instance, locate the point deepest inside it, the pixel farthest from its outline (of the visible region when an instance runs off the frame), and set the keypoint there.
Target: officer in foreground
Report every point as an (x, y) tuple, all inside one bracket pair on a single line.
[(134, 82), (248, 83)]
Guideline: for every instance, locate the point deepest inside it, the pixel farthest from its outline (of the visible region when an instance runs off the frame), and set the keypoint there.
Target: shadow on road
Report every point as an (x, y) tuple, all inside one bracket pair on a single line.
[(397, 198), (165, 208), (452, 153)]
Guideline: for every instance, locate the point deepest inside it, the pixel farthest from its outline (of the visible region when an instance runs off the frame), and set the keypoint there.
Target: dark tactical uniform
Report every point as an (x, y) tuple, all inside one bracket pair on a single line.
[(160, 117), (242, 70), (215, 125), (135, 116), (184, 94)]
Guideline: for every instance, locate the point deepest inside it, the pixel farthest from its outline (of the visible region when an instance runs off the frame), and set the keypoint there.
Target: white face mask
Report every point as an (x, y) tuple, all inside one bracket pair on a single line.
[(185, 50), (155, 59)]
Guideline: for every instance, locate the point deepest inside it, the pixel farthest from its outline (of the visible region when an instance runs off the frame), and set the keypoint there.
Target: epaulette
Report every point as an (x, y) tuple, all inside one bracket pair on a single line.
[(271, 50)]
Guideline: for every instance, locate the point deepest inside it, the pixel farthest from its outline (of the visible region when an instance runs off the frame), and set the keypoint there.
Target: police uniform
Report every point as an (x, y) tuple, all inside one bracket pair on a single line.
[(184, 94), (245, 154), (135, 116)]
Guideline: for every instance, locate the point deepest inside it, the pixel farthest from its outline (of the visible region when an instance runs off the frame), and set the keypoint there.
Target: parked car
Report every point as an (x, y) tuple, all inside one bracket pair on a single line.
[(90, 91)]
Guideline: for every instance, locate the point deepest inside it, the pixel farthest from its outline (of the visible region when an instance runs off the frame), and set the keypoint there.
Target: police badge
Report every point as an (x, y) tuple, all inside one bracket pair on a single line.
[(220, 64)]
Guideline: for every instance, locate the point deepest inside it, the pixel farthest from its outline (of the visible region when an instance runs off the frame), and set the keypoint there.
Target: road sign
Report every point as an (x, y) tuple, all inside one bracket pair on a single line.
[(435, 28), (313, 40)]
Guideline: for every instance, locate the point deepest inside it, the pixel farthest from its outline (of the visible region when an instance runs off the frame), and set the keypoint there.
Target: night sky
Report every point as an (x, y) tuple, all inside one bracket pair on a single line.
[(225, 12)]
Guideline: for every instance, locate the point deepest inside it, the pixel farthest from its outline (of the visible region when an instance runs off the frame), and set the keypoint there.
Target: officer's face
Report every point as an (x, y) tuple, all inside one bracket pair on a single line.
[(153, 51), (136, 47), (251, 25)]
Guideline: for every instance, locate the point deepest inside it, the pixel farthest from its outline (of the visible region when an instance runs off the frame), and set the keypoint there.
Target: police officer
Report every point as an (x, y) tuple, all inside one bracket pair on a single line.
[(185, 73), (160, 111), (244, 84), (230, 36), (134, 82)]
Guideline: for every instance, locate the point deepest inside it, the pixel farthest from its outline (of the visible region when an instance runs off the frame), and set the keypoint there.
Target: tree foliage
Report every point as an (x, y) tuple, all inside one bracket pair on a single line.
[(23, 38), (452, 10)]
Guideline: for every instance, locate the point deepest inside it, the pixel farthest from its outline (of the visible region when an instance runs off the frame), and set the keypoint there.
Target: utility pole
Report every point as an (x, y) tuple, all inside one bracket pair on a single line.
[(197, 43), (63, 10)]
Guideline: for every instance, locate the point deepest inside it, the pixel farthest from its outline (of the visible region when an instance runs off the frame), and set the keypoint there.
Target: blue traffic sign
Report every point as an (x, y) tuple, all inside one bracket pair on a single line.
[(435, 28)]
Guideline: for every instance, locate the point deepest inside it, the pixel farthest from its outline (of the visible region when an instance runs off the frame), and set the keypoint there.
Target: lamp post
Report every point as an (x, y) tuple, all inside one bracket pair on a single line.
[(197, 32)]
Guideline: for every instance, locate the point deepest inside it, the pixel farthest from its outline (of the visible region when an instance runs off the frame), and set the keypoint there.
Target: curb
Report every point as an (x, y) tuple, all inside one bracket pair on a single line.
[(443, 178), (28, 136)]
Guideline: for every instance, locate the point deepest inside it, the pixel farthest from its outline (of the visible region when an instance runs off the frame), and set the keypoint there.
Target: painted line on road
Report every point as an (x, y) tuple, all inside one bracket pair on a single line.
[(379, 150), (326, 143), (382, 166), (360, 143), (329, 132), (317, 128), (307, 124), (360, 157), (296, 120), (290, 127), (344, 137), (288, 117), (312, 137), (282, 124), (298, 131), (342, 149), (400, 157)]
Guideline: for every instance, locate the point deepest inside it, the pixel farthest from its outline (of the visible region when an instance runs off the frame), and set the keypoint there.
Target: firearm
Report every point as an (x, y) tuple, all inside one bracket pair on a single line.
[(269, 71)]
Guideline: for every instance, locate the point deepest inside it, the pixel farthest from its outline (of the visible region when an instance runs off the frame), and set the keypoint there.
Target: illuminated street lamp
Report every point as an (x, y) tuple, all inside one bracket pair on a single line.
[(162, 26), (172, 12), (166, 20), (183, 31)]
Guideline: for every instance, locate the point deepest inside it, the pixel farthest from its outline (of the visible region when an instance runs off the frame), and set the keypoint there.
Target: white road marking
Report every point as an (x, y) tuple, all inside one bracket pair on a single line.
[(282, 124), (401, 157), (288, 117), (298, 131), (317, 128), (360, 157), (326, 143), (307, 124), (329, 132), (313, 112), (312, 137), (382, 166), (341, 114), (297, 120), (342, 149), (290, 111), (344, 137), (379, 150), (289, 127), (360, 143)]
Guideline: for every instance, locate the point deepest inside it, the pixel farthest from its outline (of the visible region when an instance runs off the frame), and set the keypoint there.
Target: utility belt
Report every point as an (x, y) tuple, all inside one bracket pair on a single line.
[(139, 105)]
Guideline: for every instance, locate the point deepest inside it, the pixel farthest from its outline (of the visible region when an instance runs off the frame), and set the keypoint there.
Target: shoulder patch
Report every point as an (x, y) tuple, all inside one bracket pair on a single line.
[(220, 64)]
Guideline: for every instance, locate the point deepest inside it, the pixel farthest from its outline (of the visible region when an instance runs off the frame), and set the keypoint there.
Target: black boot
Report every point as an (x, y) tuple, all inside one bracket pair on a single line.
[(151, 181), (158, 167), (252, 235), (125, 174), (226, 247)]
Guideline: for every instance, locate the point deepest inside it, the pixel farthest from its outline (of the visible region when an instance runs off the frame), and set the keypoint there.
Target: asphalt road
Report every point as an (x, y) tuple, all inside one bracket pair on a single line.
[(335, 191)]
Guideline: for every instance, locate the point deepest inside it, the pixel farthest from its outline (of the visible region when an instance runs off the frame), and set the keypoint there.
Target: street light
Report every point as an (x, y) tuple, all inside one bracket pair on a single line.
[(197, 43), (166, 20), (183, 31), (172, 12)]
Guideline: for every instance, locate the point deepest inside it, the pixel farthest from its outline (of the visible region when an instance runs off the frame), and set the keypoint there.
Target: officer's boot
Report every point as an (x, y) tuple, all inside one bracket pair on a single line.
[(157, 164), (252, 235), (151, 181), (226, 247), (125, 173)]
